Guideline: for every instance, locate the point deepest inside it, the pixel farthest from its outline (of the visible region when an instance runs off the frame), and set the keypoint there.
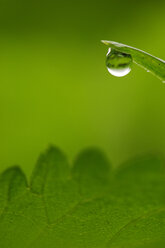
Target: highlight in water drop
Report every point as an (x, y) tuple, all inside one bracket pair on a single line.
[(118, 64)]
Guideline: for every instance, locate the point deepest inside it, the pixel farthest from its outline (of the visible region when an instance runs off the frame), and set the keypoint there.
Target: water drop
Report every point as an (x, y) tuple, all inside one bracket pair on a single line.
[(118, 64)]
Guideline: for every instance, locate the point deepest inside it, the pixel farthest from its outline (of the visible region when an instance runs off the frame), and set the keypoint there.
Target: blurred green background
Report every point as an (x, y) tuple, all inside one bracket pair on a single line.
[(55, 88)]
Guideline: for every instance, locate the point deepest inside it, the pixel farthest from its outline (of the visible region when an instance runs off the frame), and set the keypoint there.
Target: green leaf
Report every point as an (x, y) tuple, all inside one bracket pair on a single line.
[(151, 63), (87, 205)]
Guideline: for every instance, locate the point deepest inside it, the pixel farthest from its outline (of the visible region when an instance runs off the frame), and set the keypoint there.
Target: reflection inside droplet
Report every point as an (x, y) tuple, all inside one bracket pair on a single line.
[(118, 64)]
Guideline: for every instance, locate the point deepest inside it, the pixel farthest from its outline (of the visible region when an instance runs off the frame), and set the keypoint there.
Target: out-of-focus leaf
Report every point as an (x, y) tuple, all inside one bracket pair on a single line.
[(89, 205)]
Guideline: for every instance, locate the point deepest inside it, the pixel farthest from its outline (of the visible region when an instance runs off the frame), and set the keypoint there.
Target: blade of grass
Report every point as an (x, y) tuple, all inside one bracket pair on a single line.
[(149, 62)]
